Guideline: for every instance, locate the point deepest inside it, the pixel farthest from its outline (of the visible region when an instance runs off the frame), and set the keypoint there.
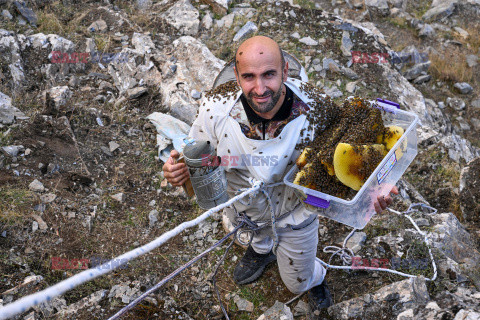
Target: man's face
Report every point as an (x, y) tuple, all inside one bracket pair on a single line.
[(260, 75)]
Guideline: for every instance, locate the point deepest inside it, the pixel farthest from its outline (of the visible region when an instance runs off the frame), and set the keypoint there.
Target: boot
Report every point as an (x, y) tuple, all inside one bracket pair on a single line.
[(319, 298), (251, 266)]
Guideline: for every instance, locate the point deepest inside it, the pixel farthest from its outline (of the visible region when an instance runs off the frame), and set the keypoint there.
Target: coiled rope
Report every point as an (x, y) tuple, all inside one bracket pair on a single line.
[(346, 254)]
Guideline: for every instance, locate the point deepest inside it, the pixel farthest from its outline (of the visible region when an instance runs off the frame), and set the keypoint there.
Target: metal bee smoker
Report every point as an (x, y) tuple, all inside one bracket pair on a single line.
[(207, 176)]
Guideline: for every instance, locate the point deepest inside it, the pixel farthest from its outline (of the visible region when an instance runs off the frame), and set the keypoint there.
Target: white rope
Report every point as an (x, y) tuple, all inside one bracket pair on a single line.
[(48, 294), (346, 254)]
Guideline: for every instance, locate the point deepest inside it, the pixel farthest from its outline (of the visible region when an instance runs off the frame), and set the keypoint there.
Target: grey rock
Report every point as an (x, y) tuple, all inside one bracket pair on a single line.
[(440, 9), (13, 151), (242, 304), (153, 217), (356, 241), (464, 126), (422, 79), (136, 93), (295, 35), (60, 97), (476, 104), (219, 6), (349, 73), (472, 60), (357, 4), (351, 87), (143, 43), (106, 151), (27, 284), (9, 113), (308, 41), (34, 226), (207, 21), (452, 239), (333, 92), (416, 70), (21, 21), (330, 64), (112, 145), (378, 7), (200, 66), (475, 123), (183, 17), (278, 311), (227, 21), (422, 222), (426, 31), (463, 33), (98, 26), (467, 315), (124, 292), (346, 45), (26, 12), (144, 4), (247, 29), (41, 224), (456, 103), (6, 14), (36, 186), (400, 4), (441, 105), (403, 295), (463, 87), (47, 198), (16, 70), (40, 207), (86, 303), (300, 309), (120, 197)]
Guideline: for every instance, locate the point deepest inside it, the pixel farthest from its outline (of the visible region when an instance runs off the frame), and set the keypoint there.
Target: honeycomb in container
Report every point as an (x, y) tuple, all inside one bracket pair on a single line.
[(349, 142)]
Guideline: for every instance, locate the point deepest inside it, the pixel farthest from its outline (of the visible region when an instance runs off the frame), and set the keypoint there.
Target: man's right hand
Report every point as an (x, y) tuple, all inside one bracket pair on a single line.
[(175, 173)]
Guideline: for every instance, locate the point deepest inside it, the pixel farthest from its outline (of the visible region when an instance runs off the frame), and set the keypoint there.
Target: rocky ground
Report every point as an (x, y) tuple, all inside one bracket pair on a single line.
[(80, 175)]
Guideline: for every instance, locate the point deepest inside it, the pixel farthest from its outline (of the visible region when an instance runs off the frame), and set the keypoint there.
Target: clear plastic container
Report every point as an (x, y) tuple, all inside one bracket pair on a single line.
[(359, 210)]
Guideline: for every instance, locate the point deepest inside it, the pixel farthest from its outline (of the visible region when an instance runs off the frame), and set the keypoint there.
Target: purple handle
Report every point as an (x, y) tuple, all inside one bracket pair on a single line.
[(317, 202), (389, 102)]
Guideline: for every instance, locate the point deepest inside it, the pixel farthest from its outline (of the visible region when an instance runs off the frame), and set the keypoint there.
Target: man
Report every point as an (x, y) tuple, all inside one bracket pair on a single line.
[(265, 119)]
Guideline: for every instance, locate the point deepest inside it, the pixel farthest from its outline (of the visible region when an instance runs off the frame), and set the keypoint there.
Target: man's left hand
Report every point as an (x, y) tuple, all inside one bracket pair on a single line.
[(384, 201)]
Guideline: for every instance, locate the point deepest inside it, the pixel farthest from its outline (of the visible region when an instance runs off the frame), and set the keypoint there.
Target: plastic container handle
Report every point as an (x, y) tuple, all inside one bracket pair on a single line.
[(317, 202)]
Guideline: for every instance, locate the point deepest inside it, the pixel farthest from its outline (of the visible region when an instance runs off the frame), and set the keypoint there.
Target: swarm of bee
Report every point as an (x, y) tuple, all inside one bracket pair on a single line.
[(349, 142)]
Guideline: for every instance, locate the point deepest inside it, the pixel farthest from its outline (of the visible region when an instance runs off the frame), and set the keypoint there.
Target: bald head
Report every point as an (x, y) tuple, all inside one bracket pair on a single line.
[(254, 47)]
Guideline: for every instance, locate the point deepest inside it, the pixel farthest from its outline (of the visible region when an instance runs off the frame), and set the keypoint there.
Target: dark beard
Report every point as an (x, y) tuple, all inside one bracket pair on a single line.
[(265, 107)]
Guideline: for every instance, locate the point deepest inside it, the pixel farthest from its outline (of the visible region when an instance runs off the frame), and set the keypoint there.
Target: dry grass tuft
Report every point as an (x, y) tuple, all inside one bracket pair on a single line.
[(48, 23), (474, 39), (451, 66), (15, 205)]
